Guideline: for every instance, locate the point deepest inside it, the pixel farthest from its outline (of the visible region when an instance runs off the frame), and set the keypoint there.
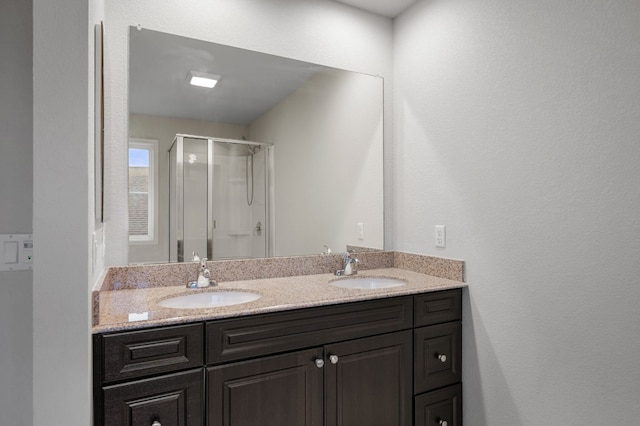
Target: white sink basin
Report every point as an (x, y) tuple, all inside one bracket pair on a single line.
[(367, 283), (211, 299)]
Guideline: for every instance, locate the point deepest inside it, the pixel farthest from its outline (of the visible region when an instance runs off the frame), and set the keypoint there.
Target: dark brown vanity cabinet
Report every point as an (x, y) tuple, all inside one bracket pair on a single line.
[(359, 382), (370, 363), (442, 407), (370, 382), (149, 377), (284, 389), (169, 400), (438, 359), (357, 372)]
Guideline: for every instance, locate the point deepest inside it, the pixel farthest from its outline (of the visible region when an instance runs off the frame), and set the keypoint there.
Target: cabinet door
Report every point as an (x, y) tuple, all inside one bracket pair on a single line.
[(438, 356), (282, 390), (369, 381), (440, 408), (172, 400)]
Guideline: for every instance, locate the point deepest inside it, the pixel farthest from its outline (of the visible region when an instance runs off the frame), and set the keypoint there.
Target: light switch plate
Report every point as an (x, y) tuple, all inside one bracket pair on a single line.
[(441, 236), (16, 252), (10, 253)]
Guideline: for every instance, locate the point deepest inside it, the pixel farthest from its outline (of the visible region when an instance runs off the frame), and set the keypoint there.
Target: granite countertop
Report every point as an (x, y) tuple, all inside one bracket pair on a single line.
[(128, 309)]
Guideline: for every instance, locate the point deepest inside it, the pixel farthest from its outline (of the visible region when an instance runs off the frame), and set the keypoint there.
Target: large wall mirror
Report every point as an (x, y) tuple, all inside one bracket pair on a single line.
[(279, 158)]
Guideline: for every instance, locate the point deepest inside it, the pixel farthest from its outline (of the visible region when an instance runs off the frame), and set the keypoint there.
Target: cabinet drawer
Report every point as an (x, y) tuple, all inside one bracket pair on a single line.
[(438, 307), (441, 407), (271, 333), (142, 353), (173, 400), (438, 356)]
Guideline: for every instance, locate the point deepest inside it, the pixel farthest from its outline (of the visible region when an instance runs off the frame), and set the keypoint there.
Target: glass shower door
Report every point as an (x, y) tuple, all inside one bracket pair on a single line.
[(189, 198), (219, 199), (196, 197)]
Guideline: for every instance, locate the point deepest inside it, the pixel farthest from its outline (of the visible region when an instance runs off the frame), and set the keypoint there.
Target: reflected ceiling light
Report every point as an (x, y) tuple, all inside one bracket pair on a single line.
[(203, 79)]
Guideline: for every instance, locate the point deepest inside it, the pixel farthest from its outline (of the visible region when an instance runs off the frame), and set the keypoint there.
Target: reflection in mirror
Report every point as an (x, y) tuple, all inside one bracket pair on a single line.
[(219, 199), (321, 129)]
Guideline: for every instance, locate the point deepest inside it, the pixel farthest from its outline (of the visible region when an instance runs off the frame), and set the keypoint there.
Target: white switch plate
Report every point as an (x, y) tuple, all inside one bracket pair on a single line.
[(16, 252), (441, 236), (360, 231), (10, 253)]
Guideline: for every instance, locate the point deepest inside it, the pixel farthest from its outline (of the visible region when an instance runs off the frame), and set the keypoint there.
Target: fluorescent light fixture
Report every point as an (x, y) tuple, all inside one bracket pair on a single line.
[(203, 79)]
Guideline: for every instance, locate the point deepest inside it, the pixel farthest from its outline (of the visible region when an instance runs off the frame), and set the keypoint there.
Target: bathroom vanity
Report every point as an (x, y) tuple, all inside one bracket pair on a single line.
[(387, 361)]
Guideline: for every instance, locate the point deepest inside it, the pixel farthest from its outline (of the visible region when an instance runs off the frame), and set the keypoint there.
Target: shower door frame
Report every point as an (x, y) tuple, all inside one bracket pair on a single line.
[(178, 188), (178, 141)]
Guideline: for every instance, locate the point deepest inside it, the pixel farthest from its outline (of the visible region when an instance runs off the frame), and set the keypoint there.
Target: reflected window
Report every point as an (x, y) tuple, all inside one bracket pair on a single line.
[(143, 154)]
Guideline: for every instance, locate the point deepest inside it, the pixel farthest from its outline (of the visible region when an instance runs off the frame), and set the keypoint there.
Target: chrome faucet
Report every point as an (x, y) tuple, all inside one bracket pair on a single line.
[(204, 276), (203, 268), (349, 265)]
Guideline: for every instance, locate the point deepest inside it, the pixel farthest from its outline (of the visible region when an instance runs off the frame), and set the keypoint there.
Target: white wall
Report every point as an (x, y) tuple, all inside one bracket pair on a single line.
[(323, 32), (63, 213), (328, 157), (16, 206), (164, 130), (517, 126)]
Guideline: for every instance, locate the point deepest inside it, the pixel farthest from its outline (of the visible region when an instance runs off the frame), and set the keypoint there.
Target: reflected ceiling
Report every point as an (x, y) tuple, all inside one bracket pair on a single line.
[(159, 79)]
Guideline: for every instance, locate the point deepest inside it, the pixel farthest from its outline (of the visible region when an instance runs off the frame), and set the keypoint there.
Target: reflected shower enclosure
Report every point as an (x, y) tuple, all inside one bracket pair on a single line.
[(220, 198)]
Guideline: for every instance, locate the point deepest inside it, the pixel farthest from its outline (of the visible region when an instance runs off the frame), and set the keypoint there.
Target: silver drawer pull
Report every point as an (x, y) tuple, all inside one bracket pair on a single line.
[(319, 363), (443, 423), (333, 359), (157, 423), (443, 358)]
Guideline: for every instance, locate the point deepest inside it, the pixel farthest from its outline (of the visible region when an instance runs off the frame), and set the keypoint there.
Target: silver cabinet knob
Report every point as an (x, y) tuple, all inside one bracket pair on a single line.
[(443, 423), (333, 359), (319, 363), (443, 358), (156, 423)]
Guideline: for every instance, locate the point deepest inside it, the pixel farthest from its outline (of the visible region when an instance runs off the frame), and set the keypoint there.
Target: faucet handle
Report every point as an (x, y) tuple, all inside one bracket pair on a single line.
[(203, 262)]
